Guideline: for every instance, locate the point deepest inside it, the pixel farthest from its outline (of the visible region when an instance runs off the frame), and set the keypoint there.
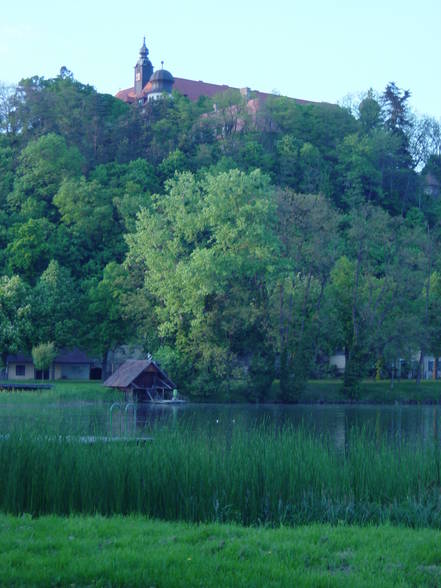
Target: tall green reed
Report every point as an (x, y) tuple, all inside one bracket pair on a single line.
[(260, 476)]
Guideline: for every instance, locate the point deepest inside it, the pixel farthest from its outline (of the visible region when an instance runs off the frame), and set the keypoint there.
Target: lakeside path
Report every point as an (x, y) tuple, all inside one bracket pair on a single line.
[(132, 552)]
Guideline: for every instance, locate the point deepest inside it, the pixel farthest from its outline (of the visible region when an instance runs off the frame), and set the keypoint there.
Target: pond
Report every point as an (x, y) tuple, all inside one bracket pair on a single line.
[(412, 423)]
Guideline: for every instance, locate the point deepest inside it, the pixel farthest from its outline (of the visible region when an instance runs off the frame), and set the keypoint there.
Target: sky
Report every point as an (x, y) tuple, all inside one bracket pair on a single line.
[(321, 50)]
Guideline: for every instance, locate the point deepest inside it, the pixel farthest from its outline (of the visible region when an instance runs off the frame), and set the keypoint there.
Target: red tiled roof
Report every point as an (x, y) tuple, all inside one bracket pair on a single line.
[(195, 89), (126, 95)]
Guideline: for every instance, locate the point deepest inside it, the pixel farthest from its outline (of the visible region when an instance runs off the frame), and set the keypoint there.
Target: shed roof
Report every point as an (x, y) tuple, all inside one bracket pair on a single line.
[(130, 370), (72, 356), (66, 356), (19, 358)]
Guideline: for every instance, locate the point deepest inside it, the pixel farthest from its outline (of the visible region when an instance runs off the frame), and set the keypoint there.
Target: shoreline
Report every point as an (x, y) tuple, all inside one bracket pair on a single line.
[(316, 392)]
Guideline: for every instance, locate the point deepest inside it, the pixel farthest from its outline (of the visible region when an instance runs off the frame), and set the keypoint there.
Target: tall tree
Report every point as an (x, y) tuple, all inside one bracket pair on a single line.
[(15, 319), (207, 249), (106, 317), (43, 165), (307, 229), (373, 290), (57, 308)]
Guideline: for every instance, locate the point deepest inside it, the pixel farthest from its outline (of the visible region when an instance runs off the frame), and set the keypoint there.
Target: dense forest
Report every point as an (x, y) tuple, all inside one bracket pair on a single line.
[(236, 247)]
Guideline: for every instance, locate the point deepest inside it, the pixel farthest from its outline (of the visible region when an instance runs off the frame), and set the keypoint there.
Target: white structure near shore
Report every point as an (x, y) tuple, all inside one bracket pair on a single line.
[(337, 361)]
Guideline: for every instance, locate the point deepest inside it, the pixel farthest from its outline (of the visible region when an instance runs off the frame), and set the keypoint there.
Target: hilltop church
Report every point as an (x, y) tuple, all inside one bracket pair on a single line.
[(150, 85)]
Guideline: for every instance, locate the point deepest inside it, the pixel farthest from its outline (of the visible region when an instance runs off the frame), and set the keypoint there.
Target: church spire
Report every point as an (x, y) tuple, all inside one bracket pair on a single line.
[(143, 69), (143, 52)]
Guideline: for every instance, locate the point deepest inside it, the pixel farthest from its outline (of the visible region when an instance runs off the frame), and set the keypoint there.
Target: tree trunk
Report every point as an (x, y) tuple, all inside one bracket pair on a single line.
[(305, 304), (282, 326), (355, 299), (427, 298), (4, 357), (104, 371), (392, 380), (420, 368)]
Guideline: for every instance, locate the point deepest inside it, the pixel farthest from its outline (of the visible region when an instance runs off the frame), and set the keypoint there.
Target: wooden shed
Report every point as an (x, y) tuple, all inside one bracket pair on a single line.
[(144, 379)]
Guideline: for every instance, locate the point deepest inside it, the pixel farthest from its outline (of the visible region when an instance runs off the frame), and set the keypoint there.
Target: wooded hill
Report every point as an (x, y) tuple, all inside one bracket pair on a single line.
[(234, 247)]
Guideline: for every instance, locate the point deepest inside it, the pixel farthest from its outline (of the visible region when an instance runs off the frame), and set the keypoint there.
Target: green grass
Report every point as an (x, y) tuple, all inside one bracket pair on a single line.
[(61, 390), (260, 476), (316, 391), (136, 552)]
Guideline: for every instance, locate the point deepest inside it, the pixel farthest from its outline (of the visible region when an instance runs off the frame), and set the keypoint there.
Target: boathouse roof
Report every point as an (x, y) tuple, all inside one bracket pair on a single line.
[(131, 369)]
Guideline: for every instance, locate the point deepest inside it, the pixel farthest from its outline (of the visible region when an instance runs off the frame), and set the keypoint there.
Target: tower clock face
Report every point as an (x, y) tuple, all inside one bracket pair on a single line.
[(138, 76)]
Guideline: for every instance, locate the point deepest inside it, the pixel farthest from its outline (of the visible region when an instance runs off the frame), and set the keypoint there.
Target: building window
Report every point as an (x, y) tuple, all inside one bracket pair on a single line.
[(20, 370)]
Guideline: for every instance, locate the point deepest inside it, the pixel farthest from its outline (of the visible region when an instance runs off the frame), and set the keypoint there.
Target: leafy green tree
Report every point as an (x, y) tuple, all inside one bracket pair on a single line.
[(129, 186), (174, 162), (232, 115), (207, 249), (396, 108), (289, 173), (312, 169), (227, 276), (86, 208), (364, 164), (370, 113), (15, 316), (30, 247), (43, 355), (90, 216), (307, 255), (424, 140), (372, 291), (43, 165), (9, 121), (7, 172), (108, 324), (76, 111), (324, 127), (434, 322), (57, 308), (427, 241)]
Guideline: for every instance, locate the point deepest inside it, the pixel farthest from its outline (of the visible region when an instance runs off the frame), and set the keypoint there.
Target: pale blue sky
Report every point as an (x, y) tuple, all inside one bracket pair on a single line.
[(316, 49)]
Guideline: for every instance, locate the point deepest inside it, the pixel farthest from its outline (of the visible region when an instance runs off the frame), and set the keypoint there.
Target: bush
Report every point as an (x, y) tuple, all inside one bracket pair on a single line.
[(43, 355)]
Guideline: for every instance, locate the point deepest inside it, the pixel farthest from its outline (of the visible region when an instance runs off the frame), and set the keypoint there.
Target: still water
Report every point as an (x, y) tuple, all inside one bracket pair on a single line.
[(411, 423)]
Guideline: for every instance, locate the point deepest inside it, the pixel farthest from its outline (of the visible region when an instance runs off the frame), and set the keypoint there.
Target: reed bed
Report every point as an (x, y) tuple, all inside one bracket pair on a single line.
[(260, 476)]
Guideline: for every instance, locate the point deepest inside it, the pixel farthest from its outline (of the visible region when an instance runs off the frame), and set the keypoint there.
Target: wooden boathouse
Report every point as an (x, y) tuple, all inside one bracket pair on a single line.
[(144, 380)]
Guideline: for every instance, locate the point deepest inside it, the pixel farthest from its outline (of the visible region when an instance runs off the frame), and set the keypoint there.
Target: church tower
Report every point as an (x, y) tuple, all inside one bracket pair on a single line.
[(143, 69)]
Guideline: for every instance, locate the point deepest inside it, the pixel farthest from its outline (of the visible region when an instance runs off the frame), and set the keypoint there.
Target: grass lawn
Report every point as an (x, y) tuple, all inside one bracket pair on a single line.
[(61, 390), (126, 551), (316, 391)]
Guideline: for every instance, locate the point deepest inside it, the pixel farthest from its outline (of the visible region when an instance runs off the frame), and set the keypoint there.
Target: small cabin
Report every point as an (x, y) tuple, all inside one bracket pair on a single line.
[(144, 380), (69, 364)]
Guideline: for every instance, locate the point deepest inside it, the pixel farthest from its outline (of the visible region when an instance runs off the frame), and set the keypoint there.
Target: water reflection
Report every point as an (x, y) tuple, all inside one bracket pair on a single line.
[(398, 423)]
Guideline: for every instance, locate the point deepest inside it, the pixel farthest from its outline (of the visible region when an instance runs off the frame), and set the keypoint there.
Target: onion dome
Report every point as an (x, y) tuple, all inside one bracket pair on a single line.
[(161, 82), (162, 75), (143, 52)]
